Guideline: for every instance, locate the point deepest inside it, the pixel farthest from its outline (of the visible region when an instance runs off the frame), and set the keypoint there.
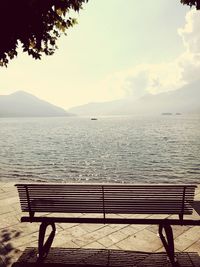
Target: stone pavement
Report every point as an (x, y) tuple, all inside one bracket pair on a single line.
[(16, 237)]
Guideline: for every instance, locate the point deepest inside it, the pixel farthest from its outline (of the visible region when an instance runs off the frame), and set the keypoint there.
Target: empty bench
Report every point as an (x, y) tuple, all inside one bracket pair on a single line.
[(106, 199)]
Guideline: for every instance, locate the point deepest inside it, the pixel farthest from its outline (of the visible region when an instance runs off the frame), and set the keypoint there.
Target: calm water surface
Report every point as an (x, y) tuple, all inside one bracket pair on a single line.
[(162, 149)]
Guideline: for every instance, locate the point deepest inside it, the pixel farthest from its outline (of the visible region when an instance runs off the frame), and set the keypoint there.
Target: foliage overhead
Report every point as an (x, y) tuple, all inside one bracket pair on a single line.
[(191, 3), (37, 24)]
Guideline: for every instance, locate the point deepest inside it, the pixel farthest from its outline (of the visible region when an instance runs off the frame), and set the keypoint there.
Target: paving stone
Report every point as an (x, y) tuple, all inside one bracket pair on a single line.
[(95, 245), (66, 215), (8, 194), (8, 200), (65, 226), (12, 257), (177, 229), (114, 247), (129, 230), (139, 227), (8, 185), (92, 227), (58, 242), (92, 215), (153, 228), (188, 238), (8, 220), (100, 233), (23, 241), (197, 196), (194, 247), (8, 251), (142, 241), (3, 252), (118, 226), (134, 216), (156, 216), (23, 229), (78, 231), (112, 239), (6, 209), (16, 207), (93, 236), (62, 239), (110, 215), (84, 240)]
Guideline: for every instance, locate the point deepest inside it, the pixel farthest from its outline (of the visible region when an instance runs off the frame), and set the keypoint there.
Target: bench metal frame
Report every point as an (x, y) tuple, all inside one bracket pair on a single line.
[(36, 198)]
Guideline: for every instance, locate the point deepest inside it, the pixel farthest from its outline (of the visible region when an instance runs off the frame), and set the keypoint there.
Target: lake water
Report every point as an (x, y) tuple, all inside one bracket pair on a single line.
[(162, 149)]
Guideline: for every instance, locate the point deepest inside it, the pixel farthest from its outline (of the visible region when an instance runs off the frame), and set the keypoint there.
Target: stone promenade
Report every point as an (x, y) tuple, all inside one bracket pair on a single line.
[(16, 237)]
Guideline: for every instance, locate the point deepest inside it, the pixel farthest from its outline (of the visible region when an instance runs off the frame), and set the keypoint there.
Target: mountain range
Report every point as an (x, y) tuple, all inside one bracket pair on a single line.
[(22, 104), (183, 100)]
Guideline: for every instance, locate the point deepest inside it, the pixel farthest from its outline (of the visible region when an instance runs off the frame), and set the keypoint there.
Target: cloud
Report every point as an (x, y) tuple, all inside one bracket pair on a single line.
[(189, 61), (144, 79), (152, 78), (165, 76), (190, 67), (190, 32)]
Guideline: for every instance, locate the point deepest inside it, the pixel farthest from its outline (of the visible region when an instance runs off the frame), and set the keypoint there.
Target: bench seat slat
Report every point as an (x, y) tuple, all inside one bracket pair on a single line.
[(97, 187), (148, 202), (122, 195), (115, 211), (126, 195)]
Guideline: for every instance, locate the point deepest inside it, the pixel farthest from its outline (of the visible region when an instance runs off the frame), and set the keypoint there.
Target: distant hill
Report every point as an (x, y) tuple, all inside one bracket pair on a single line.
[(22, 104), (183, 100)]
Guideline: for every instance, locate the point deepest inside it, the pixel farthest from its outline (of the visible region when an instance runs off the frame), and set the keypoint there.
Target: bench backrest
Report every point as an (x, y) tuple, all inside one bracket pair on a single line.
[(107, 198)]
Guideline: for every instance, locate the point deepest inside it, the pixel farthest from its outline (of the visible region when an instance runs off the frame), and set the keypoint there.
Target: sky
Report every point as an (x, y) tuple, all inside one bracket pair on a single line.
[(118, 49)]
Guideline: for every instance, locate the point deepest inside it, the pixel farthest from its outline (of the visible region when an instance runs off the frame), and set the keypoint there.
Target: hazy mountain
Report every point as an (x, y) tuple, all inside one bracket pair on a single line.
[(22, 104), (183, 100)]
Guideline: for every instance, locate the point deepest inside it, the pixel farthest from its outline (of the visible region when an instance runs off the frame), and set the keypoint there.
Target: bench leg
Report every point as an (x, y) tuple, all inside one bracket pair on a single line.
[(168, 242), (43, 248)]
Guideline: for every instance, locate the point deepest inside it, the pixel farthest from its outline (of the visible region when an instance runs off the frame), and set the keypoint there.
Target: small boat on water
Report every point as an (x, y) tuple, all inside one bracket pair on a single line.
[(94, 119)]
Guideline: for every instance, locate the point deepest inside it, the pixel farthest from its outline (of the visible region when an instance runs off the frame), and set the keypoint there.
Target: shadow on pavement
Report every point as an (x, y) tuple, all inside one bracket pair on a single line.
[(196, 206), (63, 257), (7, 251)]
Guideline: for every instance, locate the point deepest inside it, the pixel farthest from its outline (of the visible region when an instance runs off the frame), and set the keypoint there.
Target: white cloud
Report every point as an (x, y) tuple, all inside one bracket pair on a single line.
[(145, 78), (190, 32), (166, 76), (153, 78), (190, 60), (190, 67)]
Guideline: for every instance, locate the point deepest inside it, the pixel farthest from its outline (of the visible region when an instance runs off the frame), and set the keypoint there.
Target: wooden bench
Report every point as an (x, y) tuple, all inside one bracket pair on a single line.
[(106, 199)]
